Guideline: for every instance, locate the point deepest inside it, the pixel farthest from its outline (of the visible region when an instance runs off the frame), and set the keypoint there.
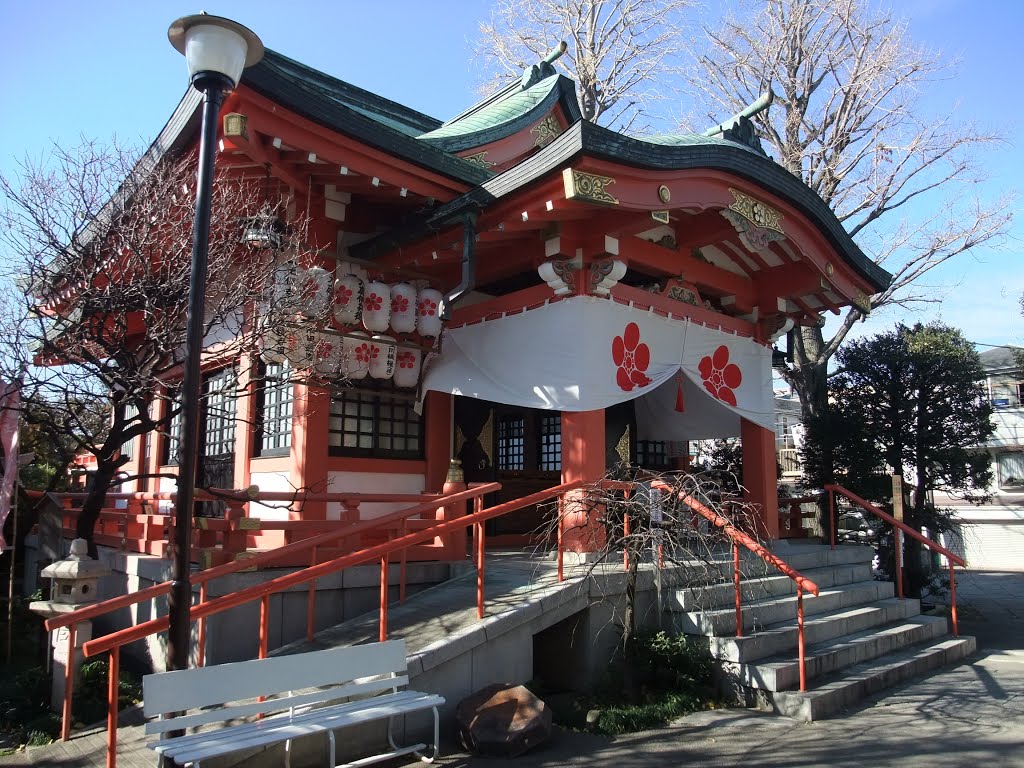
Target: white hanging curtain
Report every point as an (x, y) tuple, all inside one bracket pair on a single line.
[(585, 353)]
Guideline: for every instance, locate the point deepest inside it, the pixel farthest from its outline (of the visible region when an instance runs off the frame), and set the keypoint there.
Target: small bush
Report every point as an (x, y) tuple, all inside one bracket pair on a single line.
[(675, 675)]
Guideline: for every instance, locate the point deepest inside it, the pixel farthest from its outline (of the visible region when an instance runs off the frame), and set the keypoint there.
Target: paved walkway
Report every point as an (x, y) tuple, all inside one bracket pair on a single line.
[(970, 715)]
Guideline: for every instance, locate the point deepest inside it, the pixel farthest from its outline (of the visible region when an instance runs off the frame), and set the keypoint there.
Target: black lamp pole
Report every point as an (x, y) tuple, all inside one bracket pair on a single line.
[(213, 86), (216, 50)]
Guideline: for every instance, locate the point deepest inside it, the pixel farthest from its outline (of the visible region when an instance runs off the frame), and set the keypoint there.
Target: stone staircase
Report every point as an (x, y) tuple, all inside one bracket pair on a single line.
[(859, 638)]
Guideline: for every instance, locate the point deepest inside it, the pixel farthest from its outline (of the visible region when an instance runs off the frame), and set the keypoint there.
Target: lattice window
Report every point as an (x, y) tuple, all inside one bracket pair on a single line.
[(549, 438), (173, 441), (374, 423), (276, 397), (652, 454), (511, 443), (219, 406), (128, 447)]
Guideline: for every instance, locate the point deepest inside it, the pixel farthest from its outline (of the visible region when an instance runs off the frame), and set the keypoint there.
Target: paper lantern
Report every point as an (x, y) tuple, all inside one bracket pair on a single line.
[(403, 308), (428, 312), (326, 354), (298, 346), (355, 355), (314, 292), (407, 367), (382, 357), (348, 299), (376, 306), (282, 292), (272, 347)]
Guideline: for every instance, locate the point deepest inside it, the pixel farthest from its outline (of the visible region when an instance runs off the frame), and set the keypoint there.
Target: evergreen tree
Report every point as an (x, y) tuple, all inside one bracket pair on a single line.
[(909, 402)]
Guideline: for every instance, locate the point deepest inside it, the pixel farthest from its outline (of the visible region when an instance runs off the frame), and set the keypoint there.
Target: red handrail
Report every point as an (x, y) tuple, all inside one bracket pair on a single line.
[(115, 640), (344, 531), (368, 554), (739, 537), (953, 559)]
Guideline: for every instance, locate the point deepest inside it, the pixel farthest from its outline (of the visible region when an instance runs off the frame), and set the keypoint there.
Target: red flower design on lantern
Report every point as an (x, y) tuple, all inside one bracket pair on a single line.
[(372, 303), (342, 295), (632, 357), (720, 376), (406, 359), (363, 353), (323, 349), (427, 308), (399, 304), (374, 352)]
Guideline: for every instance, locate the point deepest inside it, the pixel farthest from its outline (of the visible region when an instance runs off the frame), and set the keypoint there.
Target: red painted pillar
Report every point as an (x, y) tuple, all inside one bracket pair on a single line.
[(759, 475), (309, 445), (437, 418), (583, 458)]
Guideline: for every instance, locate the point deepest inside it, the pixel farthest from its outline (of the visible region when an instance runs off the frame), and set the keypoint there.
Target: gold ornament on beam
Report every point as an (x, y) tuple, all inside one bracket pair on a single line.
[(546, 131), (588, 186), (759, 214), (480, 160)]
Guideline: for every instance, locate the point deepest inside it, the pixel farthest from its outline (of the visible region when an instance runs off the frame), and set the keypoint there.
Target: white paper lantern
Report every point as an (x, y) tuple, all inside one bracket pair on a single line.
[(348, 299), (382, 357), (327, 354), (272, 347), (403, 308), (355, 355), (314, 292), (376, 306), (407, 367), (299, 343), (282, 292), (428, 312)]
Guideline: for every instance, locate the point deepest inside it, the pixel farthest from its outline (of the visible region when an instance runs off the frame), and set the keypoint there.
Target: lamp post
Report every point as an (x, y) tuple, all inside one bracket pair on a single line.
[(216, 50)]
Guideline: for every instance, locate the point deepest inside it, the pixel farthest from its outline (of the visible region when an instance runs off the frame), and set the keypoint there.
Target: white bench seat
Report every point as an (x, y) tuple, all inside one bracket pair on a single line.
[(215, 691)]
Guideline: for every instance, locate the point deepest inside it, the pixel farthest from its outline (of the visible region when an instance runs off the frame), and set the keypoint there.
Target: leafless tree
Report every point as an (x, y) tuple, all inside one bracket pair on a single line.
[(623, 54), (97, 245), (643, 521), (847, 119)]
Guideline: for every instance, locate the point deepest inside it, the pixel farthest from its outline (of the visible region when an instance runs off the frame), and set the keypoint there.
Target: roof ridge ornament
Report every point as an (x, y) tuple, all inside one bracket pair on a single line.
[(543, 70), (740, 128)]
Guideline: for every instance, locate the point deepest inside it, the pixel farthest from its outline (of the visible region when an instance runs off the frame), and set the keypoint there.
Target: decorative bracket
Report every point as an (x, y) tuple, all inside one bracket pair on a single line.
[(755, 222)]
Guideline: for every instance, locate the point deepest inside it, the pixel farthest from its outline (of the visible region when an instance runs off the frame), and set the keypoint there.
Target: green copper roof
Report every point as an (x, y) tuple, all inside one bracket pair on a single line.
[(384, 111), (341, 107), (505, 113), (497, 112), (692, 140)]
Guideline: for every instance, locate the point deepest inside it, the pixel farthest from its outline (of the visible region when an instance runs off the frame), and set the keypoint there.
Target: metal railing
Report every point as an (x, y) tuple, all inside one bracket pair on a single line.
[(204, 609), (900, 527), (739, 538)]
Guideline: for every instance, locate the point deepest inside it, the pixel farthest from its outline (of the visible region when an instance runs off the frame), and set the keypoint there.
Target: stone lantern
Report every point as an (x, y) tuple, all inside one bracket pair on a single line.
[(75, 582)]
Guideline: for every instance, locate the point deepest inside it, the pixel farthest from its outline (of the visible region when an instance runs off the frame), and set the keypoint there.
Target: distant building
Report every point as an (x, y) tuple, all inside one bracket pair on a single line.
[(992, 535)]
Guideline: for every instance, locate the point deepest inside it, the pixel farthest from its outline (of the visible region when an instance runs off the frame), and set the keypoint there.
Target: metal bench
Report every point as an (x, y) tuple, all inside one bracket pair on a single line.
[(354, 685)]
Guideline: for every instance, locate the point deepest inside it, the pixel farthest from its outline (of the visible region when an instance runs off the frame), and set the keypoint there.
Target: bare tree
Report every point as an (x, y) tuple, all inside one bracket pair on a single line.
[(846, 79), (97, 250), (623, 54), (648, 522)]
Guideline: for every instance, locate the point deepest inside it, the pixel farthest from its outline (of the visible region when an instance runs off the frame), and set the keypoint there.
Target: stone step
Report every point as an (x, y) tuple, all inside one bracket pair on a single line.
[(782, 638), (724, 594), (783, 673), (832, 694), (763, 613)]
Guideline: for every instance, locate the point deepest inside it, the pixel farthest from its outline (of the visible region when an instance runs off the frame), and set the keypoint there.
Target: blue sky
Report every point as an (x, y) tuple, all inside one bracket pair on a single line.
[(104, 68)]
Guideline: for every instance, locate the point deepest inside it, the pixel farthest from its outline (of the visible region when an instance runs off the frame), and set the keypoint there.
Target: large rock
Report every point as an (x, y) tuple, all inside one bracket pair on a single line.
[(502, 720)]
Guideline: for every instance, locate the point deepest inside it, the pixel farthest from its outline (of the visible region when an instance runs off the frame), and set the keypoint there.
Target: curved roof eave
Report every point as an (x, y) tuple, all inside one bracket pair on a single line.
[(306, 101), (584, 138), (560, 91)]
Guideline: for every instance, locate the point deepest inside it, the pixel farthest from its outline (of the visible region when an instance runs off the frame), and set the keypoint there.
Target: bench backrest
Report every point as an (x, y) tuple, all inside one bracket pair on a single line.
[(338, 672)]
